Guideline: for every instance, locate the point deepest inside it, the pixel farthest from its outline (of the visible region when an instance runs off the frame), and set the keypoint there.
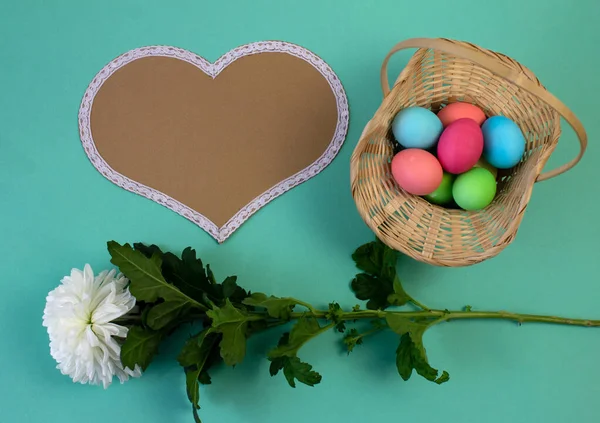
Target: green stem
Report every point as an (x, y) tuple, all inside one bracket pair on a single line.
[(419, 304), (443, 315), (439, 316), (308, 306), (517, 317), (371, 332)]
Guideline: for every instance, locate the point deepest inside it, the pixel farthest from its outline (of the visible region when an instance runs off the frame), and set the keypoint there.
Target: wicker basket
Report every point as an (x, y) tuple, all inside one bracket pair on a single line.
[(441, 72)]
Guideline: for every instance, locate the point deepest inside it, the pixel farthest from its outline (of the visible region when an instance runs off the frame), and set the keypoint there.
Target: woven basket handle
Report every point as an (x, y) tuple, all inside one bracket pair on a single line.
[(496, 66)]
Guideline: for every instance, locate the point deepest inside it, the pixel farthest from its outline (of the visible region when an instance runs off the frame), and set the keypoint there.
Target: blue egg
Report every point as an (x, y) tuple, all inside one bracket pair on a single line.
[(417, 127), (503, 142)]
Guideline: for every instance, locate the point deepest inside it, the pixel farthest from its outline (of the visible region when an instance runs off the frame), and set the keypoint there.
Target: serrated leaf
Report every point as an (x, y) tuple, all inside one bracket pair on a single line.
[(388, 263), (193, 279), (186, 273), (377, 259), (191, 386), (293, 368), (352, 338), (197, 349), (306, 328), (210, 275), (401, 325), (162, 314), (233, 324), (204, 378), (368, 257), (147, 250), (146, 280), (372, 289), (411, 355), (140, 347), (229, 286), (278, 308), (232, 291), (445, 377), (399, 297), (404, 357), (196, 357)]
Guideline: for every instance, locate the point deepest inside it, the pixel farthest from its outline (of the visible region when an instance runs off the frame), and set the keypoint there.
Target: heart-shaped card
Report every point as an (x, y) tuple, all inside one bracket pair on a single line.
[(214, 142)]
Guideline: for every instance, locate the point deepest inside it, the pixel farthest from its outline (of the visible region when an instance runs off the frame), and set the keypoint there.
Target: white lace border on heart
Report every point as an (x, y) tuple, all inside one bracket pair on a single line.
[(213, 69)]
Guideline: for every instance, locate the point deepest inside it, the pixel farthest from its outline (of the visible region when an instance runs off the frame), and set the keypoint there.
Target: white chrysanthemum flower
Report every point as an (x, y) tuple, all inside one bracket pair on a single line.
[(79, 315)]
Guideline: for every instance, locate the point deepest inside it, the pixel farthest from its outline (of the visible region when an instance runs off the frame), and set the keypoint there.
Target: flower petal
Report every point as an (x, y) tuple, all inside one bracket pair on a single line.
[(78, 317)]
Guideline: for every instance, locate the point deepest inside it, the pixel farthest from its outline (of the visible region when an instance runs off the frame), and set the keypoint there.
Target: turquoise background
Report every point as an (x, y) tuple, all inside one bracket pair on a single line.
[(57, 212)]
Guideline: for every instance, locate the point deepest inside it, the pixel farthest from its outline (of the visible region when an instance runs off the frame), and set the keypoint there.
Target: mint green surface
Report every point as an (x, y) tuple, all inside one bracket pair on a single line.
[(57, 212)]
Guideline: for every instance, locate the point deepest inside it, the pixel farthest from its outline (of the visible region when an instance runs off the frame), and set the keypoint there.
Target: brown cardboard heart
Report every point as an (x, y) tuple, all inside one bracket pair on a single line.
[(214, 142)]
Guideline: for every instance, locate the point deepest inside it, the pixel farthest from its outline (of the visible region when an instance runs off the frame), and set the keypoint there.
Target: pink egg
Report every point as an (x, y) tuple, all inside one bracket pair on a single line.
[(460, 146), (454, 111), (417, 171)]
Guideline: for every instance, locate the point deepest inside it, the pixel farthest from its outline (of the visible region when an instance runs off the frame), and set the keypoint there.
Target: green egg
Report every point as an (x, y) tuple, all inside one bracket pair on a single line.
[(474, 189), (443, 194), (484, 164)]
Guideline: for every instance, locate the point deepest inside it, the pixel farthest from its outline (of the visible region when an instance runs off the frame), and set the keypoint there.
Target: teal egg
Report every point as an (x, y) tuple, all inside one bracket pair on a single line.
[(417, 127), (503, 142), (474, 189)]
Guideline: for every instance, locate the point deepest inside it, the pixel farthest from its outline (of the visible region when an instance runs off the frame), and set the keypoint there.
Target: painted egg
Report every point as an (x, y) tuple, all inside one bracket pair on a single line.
[(416, 127), (443, 193), (460, 146), (475, 189), (484, 164), (417, 171), (504, 143), (454, 111)]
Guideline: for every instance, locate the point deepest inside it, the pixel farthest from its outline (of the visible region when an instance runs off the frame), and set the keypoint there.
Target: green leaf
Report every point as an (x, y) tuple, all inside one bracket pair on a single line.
[(186, 273), (306, 328), (388, 263), (146, 280), (196, 357), (401, 325), (293, 368), (352, 338), (378, 284), (162, 314), (197, 350), (410, 355), (445, 377), (372, 289), (404, 357), (278, 308), (191, 386), (147, 250), (369, 257), (232, 291), (140, 347), (377, 259), (210, 275), (399, 297), (193, 279), (233, 324)]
